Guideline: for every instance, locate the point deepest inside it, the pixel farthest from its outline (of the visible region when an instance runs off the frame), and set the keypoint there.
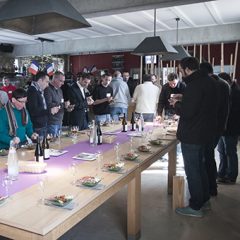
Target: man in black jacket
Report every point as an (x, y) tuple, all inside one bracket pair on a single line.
[(197, 127), (227, 146), (36, 104), (223, 97), (79, 97)]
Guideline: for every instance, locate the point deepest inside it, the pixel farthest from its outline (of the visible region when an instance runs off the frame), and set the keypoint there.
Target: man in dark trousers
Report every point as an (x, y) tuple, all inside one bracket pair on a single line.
[(79, 97), (223, 97), (197, 127), (36, 103)]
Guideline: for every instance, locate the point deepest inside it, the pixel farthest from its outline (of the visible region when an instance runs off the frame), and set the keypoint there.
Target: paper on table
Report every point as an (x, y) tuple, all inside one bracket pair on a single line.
[(86, 156), (56, 152)]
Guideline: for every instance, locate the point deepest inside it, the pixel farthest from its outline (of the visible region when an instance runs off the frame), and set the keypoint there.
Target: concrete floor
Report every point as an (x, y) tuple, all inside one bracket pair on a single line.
[(159, 221)]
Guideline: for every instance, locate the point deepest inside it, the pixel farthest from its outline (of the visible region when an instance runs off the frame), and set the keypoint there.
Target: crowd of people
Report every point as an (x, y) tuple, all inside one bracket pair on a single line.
[(208, 107)]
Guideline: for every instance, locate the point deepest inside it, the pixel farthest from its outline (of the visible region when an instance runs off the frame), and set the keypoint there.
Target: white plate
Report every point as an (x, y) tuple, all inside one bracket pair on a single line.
[(135, 134), (56, 152), (86, 156)]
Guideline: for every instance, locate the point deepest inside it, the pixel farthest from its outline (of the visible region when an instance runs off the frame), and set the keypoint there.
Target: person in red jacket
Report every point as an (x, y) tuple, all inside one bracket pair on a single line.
[(8, 87)]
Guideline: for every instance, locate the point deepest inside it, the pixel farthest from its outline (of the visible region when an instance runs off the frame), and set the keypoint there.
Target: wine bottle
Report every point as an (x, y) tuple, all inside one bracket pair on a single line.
[(142, 122), (124, 124), (12, 162), (133, 122), (45, 148), (99, 134), (38, 152)]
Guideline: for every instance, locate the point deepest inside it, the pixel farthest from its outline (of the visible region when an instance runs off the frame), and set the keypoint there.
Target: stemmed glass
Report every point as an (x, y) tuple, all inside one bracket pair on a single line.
[(6, 182), (131, 144), (116, 148), (42, 187), (99, 163), (73, 169)]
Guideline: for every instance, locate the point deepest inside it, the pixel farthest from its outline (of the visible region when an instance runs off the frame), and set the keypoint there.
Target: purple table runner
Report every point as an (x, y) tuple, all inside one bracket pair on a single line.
[(60, 163)]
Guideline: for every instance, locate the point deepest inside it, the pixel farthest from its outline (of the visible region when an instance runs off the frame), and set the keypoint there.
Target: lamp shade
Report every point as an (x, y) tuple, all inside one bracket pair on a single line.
[(40, 16), (154, 46), (181, 53)]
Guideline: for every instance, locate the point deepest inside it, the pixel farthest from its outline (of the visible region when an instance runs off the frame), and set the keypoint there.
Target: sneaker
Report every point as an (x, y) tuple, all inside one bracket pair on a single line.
[(188, 211), (221, 180), (207, 206)]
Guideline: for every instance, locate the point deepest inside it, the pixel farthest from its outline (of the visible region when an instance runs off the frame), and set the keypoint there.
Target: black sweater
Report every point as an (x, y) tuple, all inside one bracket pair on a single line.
[(198, 110)]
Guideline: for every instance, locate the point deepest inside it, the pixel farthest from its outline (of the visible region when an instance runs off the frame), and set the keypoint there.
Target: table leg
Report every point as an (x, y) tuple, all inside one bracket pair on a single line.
[(134, 208), (171, 168)]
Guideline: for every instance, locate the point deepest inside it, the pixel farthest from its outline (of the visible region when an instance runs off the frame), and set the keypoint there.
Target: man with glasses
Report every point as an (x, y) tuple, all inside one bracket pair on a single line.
[(36, 104), (15, 122), (55, 104)]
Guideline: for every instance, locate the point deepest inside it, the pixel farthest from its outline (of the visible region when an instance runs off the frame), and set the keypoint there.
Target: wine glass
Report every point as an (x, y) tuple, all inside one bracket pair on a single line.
[(42, 187), (116, 148), (6, 182), (99, 163), (131, 144), (73, 169)]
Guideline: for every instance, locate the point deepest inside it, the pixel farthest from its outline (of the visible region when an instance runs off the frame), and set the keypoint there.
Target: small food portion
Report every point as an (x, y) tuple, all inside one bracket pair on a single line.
[(131, 156), (89, 181), (114, 167), (3, 152), (144, 148), (156, 142), (60, 200), (2, 199)]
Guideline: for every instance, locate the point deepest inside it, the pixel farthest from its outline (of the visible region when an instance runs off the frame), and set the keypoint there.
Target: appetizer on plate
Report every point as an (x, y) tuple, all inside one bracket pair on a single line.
[(89, 181), (60, 200), (131, 156), (29, 146), (144, 148), (156, 142), (2, 199), (114, 167), (3, 152)]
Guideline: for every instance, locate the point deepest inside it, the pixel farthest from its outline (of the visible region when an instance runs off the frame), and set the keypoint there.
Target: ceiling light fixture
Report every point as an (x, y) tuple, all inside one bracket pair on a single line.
[(153, 45), (40, 16)]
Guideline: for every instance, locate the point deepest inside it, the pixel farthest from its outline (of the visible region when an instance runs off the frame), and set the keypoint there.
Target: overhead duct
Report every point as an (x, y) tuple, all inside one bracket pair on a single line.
[(40, 16)]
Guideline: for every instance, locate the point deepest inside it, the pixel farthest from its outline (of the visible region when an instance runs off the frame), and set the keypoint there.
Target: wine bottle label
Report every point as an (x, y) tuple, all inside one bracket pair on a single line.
[(40, 159), (46, 153), (99, 139)]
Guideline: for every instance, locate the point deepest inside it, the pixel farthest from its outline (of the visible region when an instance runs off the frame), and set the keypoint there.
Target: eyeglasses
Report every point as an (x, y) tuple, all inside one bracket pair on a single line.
[(21, 101)]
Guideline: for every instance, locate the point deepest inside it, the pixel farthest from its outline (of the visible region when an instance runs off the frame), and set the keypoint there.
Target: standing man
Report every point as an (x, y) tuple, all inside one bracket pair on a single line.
[(102, 97), (121, 96), (130, 82), (173, 86), (8, 87), (223, 96), (37, 105), (146, 97), (79, 96), (55, 104), (227, 145), (196, 128)]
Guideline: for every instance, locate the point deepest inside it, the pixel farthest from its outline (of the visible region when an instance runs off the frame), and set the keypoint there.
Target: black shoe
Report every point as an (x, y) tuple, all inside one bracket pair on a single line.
[(221, 180), (213, 193)]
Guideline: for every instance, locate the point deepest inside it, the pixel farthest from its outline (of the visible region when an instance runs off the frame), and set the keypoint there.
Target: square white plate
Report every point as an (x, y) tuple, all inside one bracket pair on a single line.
[(56, 152), (86, 156)]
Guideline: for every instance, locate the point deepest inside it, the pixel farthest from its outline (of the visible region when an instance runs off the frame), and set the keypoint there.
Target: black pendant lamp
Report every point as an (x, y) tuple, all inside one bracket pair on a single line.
[(154, 45), (40, 16), (182, 53)]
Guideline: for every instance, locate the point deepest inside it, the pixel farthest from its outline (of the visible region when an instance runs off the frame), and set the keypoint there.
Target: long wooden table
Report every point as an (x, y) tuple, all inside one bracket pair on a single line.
[(24, 217)]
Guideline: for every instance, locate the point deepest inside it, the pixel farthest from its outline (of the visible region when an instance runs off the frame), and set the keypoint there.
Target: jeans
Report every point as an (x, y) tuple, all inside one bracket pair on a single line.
[(210, 163), (42, 132), (54, 129), (103, 118), (116, 111), (227, 148), (148, 117), (196, 174)]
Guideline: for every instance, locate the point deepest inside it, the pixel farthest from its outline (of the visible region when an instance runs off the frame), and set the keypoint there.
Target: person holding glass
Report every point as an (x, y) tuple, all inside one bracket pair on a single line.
[(102, 97), (15, 122)]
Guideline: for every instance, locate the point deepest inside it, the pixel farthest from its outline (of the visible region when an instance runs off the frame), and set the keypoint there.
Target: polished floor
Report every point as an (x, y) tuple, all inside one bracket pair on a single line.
[(159, 221)]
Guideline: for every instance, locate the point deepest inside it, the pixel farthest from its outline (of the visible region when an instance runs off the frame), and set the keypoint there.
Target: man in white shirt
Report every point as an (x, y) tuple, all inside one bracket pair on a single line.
[(146, 97)]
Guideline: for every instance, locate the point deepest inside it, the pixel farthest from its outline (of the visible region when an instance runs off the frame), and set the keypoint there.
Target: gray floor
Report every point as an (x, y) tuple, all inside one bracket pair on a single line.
[(159, 221)]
